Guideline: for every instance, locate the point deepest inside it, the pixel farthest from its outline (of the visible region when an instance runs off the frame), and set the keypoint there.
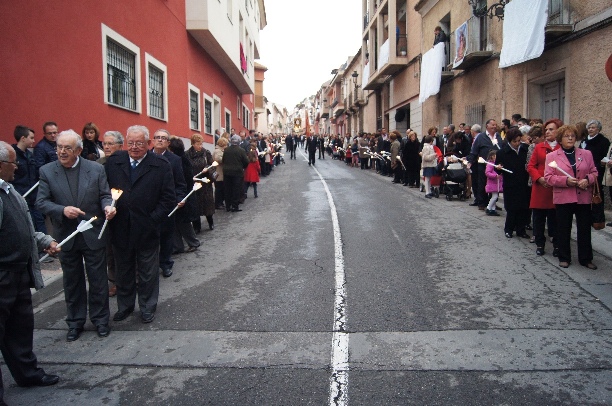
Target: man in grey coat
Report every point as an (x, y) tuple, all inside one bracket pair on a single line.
[(19, 271), (71, 190)]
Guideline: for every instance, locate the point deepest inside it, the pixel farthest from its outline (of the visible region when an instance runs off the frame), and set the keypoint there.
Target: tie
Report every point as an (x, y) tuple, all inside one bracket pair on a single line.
[(133, 165)]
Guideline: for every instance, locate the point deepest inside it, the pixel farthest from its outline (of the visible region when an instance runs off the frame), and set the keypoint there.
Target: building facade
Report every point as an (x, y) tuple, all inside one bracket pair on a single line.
[(183, 65)]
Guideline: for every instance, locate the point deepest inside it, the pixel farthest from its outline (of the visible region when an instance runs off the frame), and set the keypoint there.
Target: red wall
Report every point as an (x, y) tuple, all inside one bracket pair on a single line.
[(51, 64)]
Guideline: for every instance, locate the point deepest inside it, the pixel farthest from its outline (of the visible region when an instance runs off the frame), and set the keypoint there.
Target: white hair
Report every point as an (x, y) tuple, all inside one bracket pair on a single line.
[(139, 128), (4, 151), (117, 135), (77, 138)]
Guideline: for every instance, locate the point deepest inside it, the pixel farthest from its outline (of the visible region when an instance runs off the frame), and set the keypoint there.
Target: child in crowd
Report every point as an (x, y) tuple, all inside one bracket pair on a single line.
[(495, 184), (252, 172), (430, 161)]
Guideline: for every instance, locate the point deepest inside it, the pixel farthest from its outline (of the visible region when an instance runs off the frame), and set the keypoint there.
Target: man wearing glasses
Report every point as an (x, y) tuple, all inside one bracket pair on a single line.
[(45, 152), (148, 197), (71, 190), (160, 147)]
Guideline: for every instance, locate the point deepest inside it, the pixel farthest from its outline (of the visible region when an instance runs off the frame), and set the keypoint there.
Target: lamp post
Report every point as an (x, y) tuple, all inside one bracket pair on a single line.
[(354, 76), (496, 9)]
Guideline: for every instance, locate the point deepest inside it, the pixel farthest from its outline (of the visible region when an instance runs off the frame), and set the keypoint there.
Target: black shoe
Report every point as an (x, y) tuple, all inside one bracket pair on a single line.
[(166, 273), (45, 380), (235, 209), (555, 252), (429, 196), (492, 213), (609, 224), (540, 251), (508, 235), (211, 226), (528, 227), (147, 317), (73, 334), (474, 204), (524, 235), (123, 314), (103, 330)]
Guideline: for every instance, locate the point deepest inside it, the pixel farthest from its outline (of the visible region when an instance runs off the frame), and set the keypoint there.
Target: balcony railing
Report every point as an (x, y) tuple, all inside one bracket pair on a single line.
[(558, 12), (366, 20), (476, 49), (402, 45), (383, 54)]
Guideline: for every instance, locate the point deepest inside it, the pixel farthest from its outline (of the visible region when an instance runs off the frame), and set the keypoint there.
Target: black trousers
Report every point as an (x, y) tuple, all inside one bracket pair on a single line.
[(75, 289), (141, 263), (365, 163), (219, 193), (17, 327), (565, 214), (166, 243), (311, 157), (540, 218), (481, 194), (234, 186), (516, 220)]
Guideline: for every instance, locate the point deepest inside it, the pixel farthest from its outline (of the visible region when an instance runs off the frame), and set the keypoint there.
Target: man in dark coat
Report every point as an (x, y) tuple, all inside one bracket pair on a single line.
[(45, 152), (312, 144), (483, 143), (148, 197), (235, 160), (161, 141), (289, 143), (19, 271)]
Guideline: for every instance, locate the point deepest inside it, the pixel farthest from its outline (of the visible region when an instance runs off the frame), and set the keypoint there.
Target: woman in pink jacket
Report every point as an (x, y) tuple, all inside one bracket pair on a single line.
[(572, 195)]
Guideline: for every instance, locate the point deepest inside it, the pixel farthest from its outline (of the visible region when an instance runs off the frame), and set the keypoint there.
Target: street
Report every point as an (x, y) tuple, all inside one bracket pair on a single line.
[(337, 286)]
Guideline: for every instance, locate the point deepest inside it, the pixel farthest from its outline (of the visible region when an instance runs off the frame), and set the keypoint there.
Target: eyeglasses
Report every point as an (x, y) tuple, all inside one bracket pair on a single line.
[(52, 133), (64, 148), (11, 162), (161, 137), (137, 144), (108, 144)]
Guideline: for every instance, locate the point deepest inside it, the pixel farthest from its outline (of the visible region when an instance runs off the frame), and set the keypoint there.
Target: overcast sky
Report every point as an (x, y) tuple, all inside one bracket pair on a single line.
[(303, 42)]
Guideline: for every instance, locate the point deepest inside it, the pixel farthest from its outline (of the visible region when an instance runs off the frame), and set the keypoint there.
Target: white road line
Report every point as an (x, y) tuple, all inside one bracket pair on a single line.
[(338, 391)]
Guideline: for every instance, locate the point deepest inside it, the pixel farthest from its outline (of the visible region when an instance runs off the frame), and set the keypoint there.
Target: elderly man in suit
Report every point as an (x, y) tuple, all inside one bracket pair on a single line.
[(148, 197), (73, 189)]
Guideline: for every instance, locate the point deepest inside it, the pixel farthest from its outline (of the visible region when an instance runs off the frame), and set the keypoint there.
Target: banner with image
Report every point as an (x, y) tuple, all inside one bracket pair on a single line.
[(461, 44)]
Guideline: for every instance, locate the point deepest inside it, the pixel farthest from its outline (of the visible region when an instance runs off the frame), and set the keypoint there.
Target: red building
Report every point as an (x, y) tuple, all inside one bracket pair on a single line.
[(159, 63)]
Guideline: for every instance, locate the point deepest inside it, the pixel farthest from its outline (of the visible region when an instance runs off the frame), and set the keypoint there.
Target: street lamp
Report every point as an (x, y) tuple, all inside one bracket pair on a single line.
[(496, 9)]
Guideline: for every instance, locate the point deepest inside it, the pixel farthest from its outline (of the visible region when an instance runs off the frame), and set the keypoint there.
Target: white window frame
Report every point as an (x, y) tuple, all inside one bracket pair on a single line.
[(150, 60), (246, 121), (192, 88), (239, 107), (217, 112), (209, 99), (228, 126), (108, 32)]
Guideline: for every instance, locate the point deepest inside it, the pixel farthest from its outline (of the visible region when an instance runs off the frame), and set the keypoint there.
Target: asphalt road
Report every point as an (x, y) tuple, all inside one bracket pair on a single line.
[(438, 308)]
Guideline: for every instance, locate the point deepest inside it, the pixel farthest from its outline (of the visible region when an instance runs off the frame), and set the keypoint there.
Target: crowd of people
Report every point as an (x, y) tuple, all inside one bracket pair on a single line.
[(114, 210), (546, 171)]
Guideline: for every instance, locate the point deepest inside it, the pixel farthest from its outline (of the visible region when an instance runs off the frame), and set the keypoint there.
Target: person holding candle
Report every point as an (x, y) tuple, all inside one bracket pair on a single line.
[(571, 172), (148, 197), (513, 159), (73, 189)]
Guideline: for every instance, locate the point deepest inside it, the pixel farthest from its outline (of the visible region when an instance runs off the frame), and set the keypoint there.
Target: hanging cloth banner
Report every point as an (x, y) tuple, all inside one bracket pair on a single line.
[(431, 71), (524, 31)]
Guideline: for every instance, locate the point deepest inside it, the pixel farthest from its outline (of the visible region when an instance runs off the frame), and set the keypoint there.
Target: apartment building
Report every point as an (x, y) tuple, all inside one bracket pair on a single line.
[(566, 81), (184, 65)]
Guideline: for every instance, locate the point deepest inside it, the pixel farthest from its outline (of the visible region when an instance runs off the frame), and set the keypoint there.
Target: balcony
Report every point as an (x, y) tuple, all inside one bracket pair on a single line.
[(203, 23), (389, 63), (559, 23), (338, 107), (476, 45)]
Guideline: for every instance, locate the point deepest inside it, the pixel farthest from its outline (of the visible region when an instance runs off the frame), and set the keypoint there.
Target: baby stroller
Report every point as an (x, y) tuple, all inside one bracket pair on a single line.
[(455, 177)]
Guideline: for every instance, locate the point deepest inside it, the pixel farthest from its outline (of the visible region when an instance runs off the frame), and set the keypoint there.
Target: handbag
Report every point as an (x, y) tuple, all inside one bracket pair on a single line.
[(598, 217)]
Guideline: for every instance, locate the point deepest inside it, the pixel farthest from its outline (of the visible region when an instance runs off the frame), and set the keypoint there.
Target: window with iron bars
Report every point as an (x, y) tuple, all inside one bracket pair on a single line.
[(121, 71), (207, 117), (156, 93), (194, 110)]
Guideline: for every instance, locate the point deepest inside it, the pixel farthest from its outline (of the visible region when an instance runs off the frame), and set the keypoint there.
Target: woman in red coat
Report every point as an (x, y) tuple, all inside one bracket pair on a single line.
[(541, 192)]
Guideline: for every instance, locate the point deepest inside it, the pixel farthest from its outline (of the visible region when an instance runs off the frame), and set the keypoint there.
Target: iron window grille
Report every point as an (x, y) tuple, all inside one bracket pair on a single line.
[(121, 75), (156, 93), (194, 109), (207, 117)]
